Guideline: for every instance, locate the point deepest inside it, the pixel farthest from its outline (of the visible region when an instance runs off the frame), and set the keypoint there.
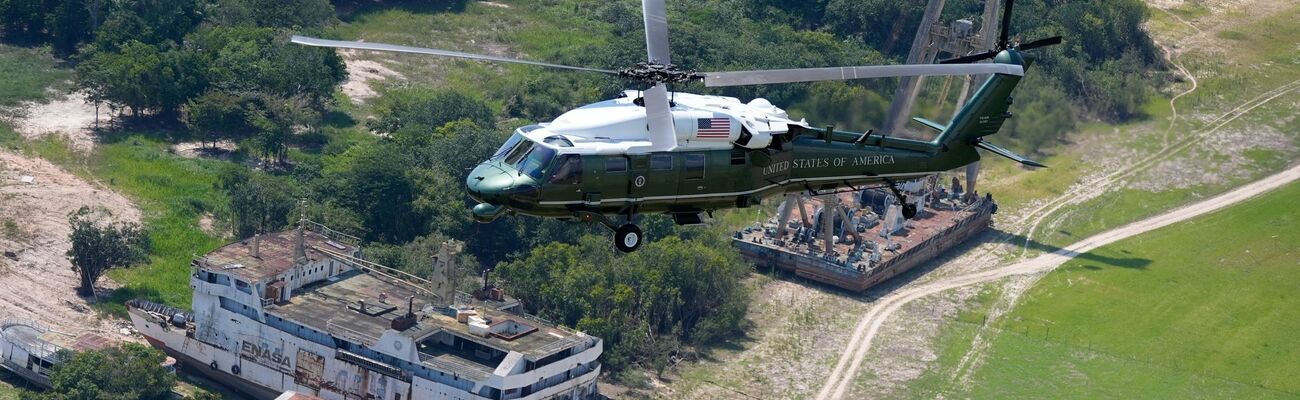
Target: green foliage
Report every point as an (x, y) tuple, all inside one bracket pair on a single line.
[(258, 202), (248, 59), (64, 24), (141, 77), (292, 14), (423, 109), (131, 372), (216, 115), (98, 247), (640, 304), (161, 23), (1043, 113)]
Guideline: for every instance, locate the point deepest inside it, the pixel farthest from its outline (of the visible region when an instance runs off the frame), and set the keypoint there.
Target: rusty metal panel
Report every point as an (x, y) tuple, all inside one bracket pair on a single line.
[(310, 370)]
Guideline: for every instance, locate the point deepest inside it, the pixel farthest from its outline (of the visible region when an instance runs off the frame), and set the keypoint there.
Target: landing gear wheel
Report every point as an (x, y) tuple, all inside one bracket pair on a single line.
[(909, 211), (628, 238)]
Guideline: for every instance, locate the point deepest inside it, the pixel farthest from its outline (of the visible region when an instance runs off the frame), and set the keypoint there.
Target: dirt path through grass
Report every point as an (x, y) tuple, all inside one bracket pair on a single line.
[(841, 379)]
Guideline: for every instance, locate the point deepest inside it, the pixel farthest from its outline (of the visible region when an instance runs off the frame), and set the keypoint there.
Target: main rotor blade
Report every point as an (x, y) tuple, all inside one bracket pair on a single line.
[(971, 58), (1003, 40), (1054, 40), (659, 120), (342, 44), (656, 31), (844, 73)]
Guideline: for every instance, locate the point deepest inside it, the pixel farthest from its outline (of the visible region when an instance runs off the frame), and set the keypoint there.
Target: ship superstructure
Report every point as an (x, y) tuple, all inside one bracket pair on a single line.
[(301, 310)]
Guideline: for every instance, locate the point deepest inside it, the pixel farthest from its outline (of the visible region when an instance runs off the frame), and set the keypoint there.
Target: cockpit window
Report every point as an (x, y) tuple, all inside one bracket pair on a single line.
[(514, 155), (536, 162), (509, 145)]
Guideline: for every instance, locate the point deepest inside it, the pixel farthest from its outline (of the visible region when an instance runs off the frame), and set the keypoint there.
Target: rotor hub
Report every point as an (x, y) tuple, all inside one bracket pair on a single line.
[(656, 73)]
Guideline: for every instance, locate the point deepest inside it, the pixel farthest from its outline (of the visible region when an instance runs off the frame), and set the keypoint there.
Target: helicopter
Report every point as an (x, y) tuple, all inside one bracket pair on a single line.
[(653, 151)]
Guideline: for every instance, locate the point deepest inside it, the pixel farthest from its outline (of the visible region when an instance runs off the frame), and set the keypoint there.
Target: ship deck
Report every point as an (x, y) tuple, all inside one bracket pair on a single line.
[(43, 342), (330, 306)]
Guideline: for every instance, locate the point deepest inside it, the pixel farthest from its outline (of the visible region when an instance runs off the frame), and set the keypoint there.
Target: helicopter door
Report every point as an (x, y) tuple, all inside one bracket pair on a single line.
[(693, 174), (565, 183), (652, 178)]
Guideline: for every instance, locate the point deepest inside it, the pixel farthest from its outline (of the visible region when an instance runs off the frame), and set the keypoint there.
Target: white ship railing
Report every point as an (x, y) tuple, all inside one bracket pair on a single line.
[(35, 346), (333, 234)]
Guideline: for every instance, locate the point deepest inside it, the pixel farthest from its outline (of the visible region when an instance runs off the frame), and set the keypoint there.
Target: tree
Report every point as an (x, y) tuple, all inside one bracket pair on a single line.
[(644, 304), (161, 23), (426, 109), (258, 202), (133, 371), (216, 115), (142, 77), (98, 247), (262, 60), (275, 13)]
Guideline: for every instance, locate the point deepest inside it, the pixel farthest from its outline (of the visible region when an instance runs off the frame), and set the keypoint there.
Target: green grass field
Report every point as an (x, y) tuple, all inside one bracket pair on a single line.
[(27, 75), (1213, 315)]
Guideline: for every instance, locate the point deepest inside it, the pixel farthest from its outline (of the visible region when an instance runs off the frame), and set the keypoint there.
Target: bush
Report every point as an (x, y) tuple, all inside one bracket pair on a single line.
[(426, 109), (640, 303)]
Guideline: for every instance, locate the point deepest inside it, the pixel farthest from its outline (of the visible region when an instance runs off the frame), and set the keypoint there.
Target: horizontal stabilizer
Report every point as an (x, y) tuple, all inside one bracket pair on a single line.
[(1008, 154), (933, 125)]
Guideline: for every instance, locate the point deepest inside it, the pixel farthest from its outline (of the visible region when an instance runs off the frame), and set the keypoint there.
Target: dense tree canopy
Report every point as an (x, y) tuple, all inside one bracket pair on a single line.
[(131, 372), (670, 290)]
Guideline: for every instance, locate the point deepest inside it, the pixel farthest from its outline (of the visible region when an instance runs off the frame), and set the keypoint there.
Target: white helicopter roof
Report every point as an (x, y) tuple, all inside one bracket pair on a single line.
[(619, 125)]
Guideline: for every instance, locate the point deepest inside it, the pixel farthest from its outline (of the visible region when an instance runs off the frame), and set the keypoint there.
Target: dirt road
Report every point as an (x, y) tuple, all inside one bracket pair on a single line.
[(851, 359)]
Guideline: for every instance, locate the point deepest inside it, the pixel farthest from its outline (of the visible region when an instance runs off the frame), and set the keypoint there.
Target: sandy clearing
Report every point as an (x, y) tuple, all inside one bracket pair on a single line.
[(361, 73), (39, 283), (220, 150), (70, 117), (841, 379)]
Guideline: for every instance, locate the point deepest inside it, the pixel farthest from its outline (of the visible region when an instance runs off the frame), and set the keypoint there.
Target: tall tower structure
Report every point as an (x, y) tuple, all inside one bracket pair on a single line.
[(444, 264), (933, 38)]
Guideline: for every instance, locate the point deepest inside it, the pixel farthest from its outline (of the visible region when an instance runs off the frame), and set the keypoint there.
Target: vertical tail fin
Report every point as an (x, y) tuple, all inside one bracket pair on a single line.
[(984, 114)]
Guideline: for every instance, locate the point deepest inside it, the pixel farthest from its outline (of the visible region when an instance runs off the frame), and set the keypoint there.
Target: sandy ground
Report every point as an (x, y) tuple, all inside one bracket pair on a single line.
[(221, 150), (39, 283), (68, 116), (360, 75)]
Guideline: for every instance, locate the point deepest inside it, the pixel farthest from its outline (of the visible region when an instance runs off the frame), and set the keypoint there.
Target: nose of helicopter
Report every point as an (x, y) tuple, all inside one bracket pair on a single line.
[(494, 186), (488, 181)]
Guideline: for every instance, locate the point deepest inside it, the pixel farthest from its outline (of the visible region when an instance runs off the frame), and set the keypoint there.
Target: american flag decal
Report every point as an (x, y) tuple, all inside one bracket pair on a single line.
[(713, 127)]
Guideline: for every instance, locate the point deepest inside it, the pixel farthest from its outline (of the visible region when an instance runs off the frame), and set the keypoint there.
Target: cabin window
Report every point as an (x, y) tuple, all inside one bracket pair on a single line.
[(569, 171), (243, 286), (615, 165), (661, 162), (694, 166)]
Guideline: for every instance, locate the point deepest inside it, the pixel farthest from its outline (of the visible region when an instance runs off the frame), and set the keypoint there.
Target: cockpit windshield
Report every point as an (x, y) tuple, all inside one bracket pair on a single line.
[(517, 153), (509, 145), (536, 162)]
